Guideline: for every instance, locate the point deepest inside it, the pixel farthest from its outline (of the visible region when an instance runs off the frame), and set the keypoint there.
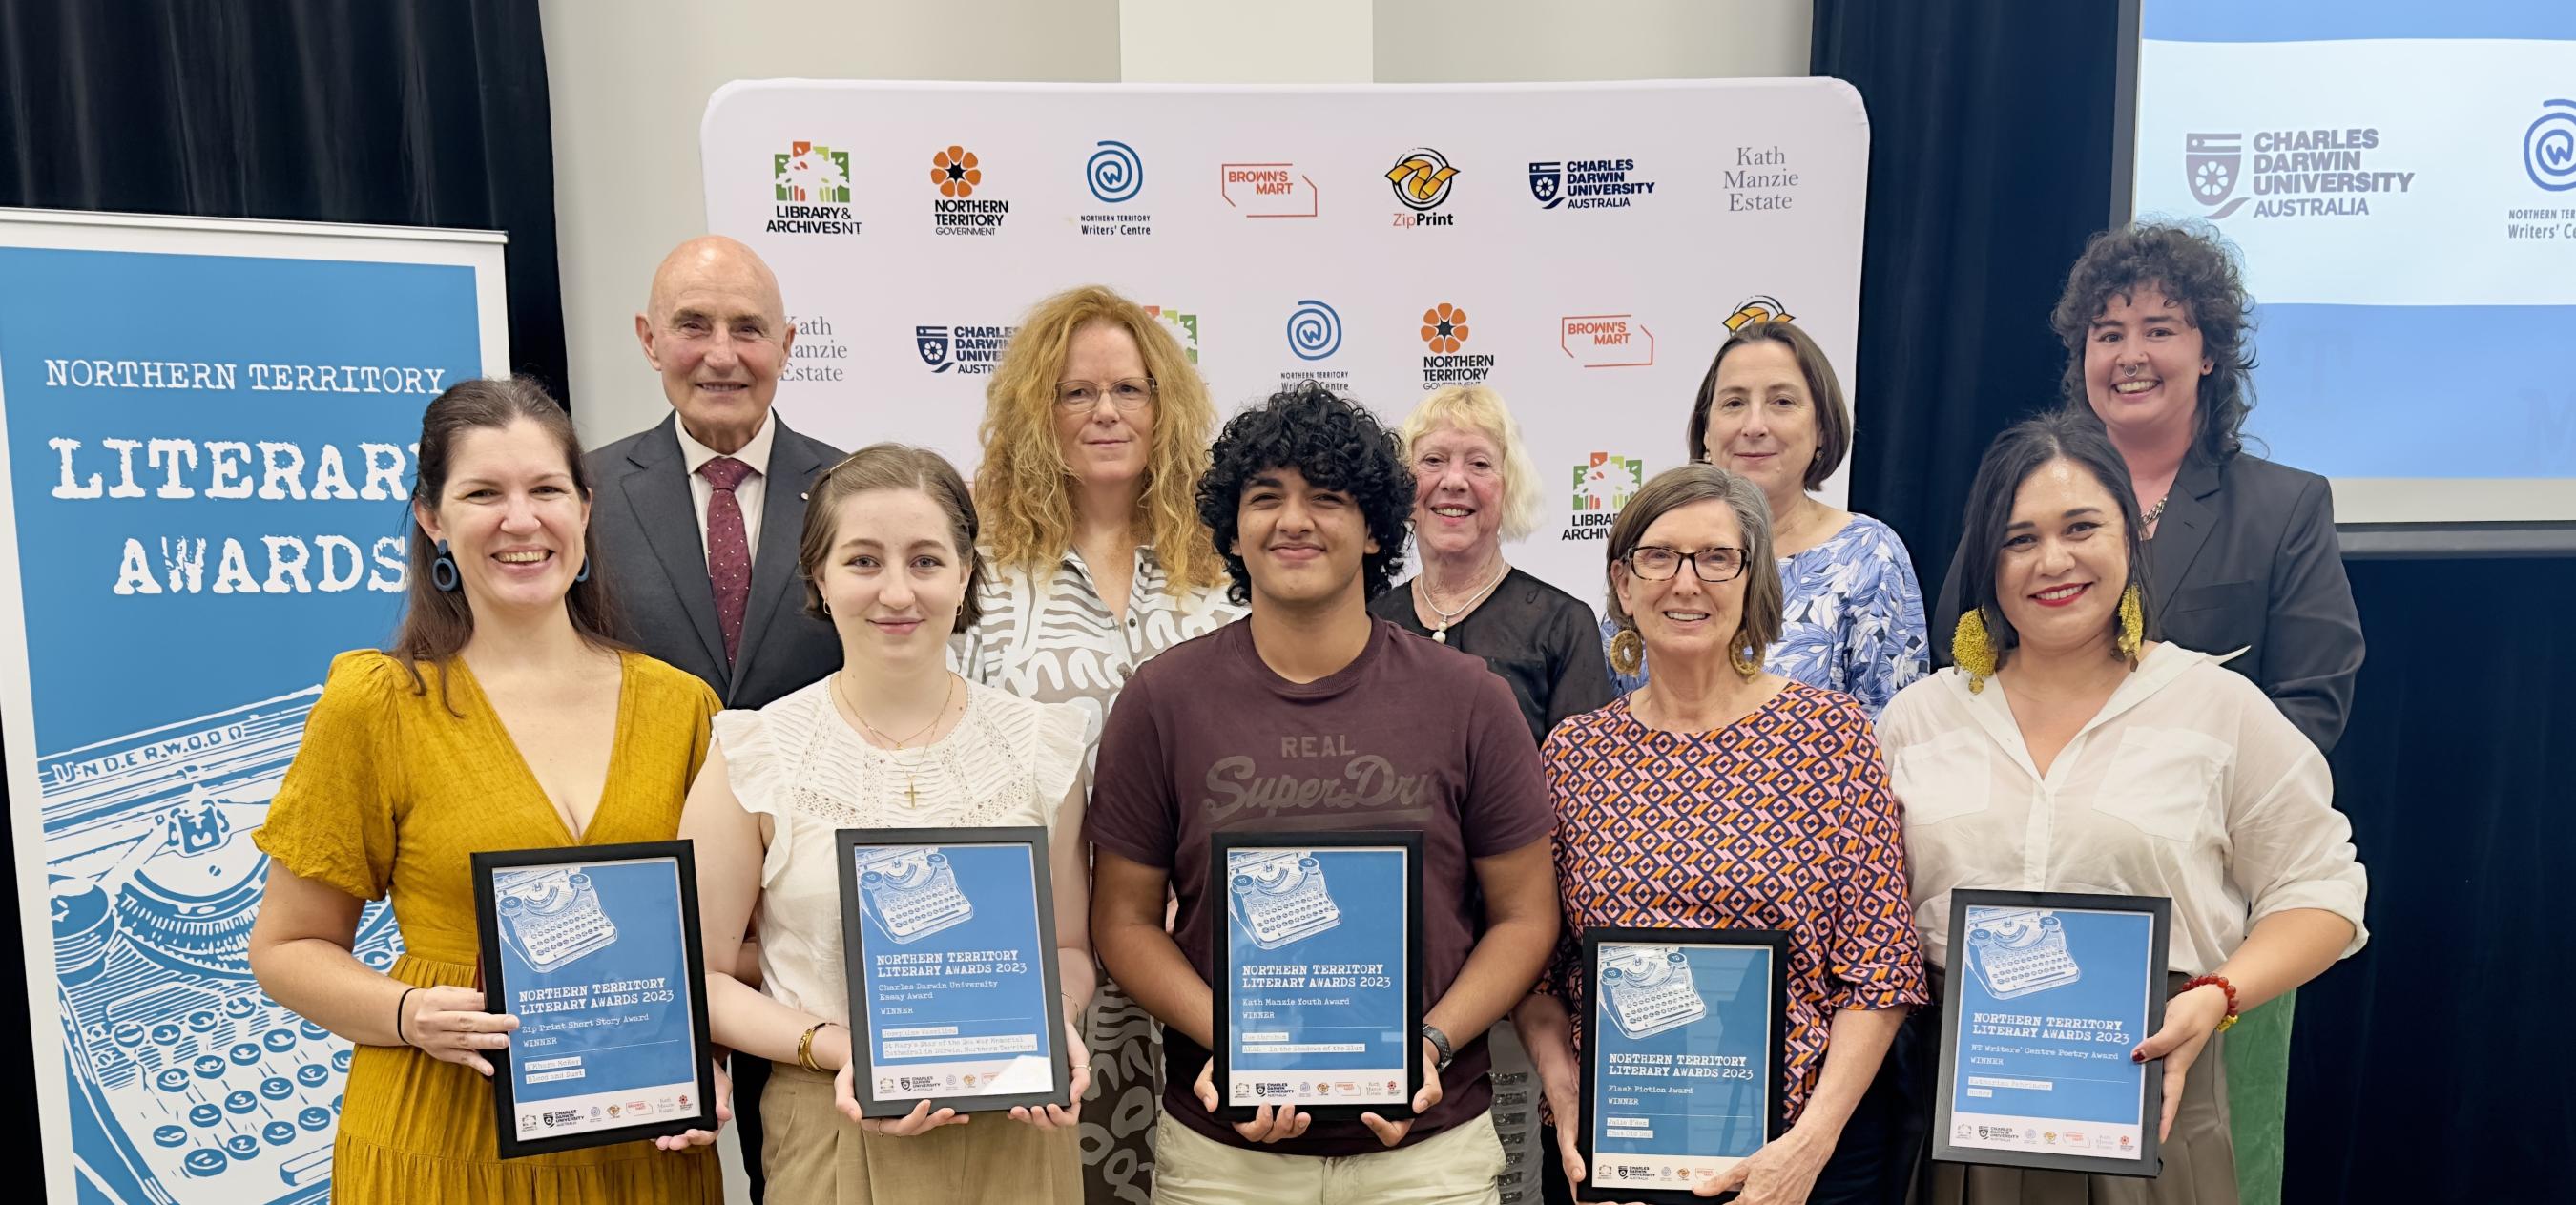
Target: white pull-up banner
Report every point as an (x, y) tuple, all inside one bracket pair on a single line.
[(210, 429), (1579, 247)]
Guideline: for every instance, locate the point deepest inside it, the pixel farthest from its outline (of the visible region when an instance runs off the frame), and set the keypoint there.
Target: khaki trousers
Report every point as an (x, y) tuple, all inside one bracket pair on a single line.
[(1454, 1167)]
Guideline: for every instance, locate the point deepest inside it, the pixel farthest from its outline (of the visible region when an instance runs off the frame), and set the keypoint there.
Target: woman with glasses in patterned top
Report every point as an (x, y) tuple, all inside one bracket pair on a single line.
[(1721, 795)]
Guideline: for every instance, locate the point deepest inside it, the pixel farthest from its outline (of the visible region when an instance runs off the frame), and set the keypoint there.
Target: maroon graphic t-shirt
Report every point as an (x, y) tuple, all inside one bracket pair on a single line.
[(1410, 735)]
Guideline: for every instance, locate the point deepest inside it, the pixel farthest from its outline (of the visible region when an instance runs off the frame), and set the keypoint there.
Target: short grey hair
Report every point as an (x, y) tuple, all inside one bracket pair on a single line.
[(1688, 485)]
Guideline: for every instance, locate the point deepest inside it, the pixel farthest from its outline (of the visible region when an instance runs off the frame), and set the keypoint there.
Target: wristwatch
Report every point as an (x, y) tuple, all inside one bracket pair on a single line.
[(1440, 1042)]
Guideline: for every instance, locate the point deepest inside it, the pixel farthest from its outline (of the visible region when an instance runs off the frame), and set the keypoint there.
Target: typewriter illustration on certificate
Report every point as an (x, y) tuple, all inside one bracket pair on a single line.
[(552, 917), (911, 890), (2018, 951), (1279, 897), (1649, 990)]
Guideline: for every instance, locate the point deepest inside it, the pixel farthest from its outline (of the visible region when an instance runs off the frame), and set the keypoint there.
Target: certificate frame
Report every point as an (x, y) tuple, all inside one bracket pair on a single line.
[(1221, 929), (1775, 1043), (497, 979), (862, 936), (2049, 1144)]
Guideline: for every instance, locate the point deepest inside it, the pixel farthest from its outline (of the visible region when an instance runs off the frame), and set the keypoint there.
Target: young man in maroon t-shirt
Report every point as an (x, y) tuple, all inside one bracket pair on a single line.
[(1311, 715)]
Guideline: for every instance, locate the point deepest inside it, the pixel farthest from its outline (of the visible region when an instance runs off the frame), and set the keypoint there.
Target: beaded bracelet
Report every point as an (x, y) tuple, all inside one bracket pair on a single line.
[(2220, 982)]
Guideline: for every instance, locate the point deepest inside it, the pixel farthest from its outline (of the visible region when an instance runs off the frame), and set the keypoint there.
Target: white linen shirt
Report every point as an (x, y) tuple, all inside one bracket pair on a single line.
[(751, 493), (2188, 784)]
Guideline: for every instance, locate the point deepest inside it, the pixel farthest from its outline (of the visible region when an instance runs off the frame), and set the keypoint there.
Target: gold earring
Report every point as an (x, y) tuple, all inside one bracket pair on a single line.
[(1970, 649), (2133, 623), (1744, 663), (1627, 652)]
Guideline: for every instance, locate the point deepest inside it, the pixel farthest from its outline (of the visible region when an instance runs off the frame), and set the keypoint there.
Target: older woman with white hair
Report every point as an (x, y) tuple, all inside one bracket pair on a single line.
[(1475, 487)]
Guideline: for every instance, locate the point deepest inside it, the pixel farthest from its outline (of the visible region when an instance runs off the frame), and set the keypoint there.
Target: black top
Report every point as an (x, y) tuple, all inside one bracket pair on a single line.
[(2246, 558), (1541, 640)]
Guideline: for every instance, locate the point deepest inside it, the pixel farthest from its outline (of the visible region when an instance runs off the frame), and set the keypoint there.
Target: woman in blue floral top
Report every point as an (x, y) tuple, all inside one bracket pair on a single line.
[(1771, 410)]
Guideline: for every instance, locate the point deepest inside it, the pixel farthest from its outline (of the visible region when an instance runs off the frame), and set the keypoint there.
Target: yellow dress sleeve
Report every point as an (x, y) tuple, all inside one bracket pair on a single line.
[(332, 820)]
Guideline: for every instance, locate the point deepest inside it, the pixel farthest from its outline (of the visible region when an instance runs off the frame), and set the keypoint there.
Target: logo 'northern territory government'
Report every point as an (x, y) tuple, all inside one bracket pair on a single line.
[(2213, 163), (958, 175), (1421, 179), (811, 174)]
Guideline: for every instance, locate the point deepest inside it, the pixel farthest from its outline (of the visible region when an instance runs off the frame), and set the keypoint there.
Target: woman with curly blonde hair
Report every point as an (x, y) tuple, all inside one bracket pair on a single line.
[(1096, 431)]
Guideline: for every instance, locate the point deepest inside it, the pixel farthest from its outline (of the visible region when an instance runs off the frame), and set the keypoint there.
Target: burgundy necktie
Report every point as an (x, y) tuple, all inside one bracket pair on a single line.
[(728, 551)]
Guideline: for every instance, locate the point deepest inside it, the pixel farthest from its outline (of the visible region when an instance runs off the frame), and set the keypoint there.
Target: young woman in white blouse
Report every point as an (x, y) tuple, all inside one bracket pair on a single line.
[(2067, 752), (892, 740)]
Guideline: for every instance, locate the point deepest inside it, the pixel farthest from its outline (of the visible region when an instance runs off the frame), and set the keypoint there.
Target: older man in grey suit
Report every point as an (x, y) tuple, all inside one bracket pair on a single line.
[(698, 519)]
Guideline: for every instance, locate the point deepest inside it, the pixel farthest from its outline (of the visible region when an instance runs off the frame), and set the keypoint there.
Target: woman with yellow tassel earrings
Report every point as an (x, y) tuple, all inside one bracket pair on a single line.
[(2064, 750)]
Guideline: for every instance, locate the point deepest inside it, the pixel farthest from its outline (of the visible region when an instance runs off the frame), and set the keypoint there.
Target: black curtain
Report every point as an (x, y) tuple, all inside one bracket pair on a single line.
[(2432, 1066), (391, 112)]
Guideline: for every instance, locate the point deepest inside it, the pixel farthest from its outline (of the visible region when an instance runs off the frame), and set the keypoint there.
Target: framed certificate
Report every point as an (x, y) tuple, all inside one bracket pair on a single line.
[(1682, 1048), (595, 950), (949, 937), (1319, 968), (2046, 994)]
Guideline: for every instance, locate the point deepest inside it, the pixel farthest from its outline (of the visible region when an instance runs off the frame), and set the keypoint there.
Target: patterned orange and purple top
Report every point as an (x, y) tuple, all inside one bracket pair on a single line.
[(1781, 820)]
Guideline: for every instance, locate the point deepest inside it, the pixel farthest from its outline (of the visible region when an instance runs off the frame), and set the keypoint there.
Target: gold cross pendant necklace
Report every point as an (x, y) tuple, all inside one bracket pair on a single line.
[(911, 791)]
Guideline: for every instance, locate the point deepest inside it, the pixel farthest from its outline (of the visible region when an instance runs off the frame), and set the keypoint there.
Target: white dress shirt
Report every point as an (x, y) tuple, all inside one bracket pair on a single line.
[(2188, 784), (753, 490)]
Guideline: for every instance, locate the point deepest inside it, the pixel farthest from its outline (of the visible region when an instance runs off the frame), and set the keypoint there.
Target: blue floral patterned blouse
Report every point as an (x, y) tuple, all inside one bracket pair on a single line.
[(1853, 618)]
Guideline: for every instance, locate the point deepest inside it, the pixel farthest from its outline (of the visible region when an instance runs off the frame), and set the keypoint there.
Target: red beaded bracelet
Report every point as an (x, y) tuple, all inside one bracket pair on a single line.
[(2220, 982)]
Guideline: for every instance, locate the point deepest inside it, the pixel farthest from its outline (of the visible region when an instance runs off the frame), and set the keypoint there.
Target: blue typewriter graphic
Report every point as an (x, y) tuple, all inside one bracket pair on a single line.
[(1277, 897), (187, 1082), (552, 917), (911, 891), (1649, 989), (2017, 951)]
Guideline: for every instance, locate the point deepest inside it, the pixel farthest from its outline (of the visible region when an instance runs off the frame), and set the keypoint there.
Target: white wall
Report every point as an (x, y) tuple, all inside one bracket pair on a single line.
[(629, 80)]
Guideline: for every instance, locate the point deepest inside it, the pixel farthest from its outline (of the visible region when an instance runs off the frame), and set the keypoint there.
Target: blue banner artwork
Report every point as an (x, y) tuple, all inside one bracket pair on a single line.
[(2050, 1001), (954, 971), (1315, 988), (208, 460), (1682, 1044)]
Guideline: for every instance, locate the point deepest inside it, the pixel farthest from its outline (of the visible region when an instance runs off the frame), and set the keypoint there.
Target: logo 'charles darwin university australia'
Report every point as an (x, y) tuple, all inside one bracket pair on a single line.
[(964, 204), (1444, 333), (1115, 174), (2292, 173), (810, 185), (971, 350), (1268, 190), (1602, 485), (1587, 183), (1421, 178)]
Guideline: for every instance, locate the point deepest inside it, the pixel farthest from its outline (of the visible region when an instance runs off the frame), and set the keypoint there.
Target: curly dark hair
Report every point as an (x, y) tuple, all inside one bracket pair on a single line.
[(1338, 445), (2192, 265)]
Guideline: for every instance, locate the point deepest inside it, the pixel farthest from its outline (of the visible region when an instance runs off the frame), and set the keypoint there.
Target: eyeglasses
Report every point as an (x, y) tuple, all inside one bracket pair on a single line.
[(1656, 563), (1130, 393)]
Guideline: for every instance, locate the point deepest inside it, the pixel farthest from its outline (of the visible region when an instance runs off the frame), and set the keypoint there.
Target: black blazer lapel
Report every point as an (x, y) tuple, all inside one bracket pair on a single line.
[(658, 494), (2189, 516), (792, 464)]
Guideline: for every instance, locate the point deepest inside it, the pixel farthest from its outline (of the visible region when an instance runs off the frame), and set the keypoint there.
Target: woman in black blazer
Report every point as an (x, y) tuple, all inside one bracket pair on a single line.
[(2241, 552)]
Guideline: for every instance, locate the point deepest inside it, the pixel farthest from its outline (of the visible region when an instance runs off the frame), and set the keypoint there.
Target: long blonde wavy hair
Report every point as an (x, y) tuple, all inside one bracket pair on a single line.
[(1022, 490)]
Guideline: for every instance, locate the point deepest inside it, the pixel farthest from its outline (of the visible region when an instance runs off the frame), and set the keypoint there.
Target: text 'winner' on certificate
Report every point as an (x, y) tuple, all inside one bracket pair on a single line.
[(596, 952), (1681, 1059), (950, 940), (1319, 951), (2046, 995)]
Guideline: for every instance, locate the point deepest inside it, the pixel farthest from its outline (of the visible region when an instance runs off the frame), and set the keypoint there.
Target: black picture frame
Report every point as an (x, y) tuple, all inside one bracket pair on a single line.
[(1222, 846), (1587, 1062), (856, 944), (2150, 1160), (493, 977)]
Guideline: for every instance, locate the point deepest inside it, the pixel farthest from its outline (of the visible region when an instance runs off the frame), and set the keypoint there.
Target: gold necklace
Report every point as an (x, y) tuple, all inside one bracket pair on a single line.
[(911, 792), (1422, 583)]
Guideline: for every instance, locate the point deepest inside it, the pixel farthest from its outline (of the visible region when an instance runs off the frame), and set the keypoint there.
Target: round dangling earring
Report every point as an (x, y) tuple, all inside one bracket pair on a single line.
[(1970, 649), (2133, 623), (584, 575), (1742, 660), (442, 571), (1627, 652)]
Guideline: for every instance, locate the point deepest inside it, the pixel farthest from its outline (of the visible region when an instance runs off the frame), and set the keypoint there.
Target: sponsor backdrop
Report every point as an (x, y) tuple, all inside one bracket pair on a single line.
[(1580, 248), (2402, 181), (210, 430)]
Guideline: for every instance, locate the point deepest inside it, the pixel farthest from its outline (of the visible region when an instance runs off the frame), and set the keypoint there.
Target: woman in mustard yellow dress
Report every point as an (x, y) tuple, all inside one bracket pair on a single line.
[(502, 718)]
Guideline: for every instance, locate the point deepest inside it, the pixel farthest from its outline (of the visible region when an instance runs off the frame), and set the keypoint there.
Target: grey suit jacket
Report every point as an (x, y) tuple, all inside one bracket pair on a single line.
[(646, 526), (2246, 558)]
